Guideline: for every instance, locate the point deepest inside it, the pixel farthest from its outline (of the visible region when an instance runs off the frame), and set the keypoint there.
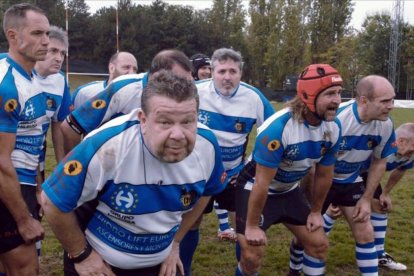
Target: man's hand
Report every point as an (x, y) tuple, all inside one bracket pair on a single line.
[(385, 202), (255, 236), (169, 266), (30, 229), (93, 265), (362, 210), (314, 221)]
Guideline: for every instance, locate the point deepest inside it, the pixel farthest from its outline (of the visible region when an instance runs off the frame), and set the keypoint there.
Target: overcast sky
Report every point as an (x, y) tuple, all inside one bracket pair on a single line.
[(361, 7)]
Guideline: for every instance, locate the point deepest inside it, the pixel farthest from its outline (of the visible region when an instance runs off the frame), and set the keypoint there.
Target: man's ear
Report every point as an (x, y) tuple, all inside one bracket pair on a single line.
[(11, 35), (111, 68)]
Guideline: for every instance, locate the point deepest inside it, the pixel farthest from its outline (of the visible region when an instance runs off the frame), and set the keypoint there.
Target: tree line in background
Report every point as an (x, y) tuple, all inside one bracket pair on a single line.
[(277, 38)]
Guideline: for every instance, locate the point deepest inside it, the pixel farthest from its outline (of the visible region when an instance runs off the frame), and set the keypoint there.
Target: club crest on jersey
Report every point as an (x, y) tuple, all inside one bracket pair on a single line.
[(124, 199), (50, 103), (72, 168), (223, 177), (240, 126), (98, 104), (10, 105), (324, 149), (371, 143), (273, 145), (187, 197)]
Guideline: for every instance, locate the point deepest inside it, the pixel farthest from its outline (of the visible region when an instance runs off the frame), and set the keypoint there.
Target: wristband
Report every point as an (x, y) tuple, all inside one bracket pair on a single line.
[(82, 255)]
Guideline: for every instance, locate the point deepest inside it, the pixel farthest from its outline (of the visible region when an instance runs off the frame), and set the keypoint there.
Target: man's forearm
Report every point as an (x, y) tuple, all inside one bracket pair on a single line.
[(394, 178), (189, 218), (321, 185), (65, 227), (375, 173), (10, 192)]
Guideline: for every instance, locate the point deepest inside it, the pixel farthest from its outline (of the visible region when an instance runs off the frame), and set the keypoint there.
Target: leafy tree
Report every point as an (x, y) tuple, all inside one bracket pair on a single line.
[(373, 46)]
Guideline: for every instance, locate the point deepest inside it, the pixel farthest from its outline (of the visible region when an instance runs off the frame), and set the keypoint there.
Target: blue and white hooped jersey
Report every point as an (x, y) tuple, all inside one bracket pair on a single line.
[(293, 147), (394, 161), (141, 200), (56, 92), (23, 112), (232, 119), (120, 97), (359, 142), (86, 92)]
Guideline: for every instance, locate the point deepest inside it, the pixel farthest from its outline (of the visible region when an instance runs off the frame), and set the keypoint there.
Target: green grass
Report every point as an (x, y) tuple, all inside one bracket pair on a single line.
[(218, 258)]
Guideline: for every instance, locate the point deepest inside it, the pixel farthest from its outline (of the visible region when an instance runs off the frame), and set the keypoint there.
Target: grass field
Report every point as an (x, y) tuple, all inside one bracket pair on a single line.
[(217, 258)]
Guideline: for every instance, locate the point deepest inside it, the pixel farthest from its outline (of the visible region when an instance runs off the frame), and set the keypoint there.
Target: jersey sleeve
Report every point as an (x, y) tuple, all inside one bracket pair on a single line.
[(268, 149), (64, 108), (218, 178), (387, 145), (9, 103), (107, 104), (265, 109)]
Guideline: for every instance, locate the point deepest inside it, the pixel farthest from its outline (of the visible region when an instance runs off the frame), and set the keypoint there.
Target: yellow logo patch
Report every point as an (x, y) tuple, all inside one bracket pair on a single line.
[(98, 104), (72, 168), (10, 105), (273, 145)]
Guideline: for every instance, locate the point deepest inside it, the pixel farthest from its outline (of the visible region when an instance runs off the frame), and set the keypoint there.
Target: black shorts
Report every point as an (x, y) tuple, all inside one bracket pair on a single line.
[(291, 207), (226, 199), (378, 190), (9, 235), (344, 195), (69, 270)]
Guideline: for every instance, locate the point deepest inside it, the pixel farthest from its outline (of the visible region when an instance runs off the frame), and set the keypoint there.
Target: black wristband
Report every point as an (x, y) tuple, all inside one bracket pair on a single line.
[(82, 255)]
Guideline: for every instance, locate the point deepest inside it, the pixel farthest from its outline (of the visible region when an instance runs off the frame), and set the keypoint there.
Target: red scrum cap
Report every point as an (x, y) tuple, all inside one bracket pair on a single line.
[(315, 79)]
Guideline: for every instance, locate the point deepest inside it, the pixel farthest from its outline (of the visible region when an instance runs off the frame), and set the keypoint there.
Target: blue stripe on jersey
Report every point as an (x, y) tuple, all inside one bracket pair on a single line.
[(362, 142), (135, 199), (96, 114), (121, 239), (268, 108), (26, 176), (9, 101), (72, 185), (226, 123), (214, 184)]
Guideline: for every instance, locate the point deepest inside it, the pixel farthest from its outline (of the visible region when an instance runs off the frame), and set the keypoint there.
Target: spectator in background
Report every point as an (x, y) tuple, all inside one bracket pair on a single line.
[(201, 67)]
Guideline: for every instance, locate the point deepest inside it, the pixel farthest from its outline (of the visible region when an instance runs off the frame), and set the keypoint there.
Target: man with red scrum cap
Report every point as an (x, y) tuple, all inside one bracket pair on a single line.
[(288, 145)]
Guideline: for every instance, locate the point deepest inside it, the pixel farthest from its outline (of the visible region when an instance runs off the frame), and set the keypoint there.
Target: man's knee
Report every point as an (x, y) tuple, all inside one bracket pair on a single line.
[(251, 259), (318, 247), (21, 260), (363, 232)]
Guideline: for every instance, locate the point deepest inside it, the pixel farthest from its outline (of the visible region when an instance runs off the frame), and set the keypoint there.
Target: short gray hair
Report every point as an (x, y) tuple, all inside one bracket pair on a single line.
[(59, 34), (225, 54)]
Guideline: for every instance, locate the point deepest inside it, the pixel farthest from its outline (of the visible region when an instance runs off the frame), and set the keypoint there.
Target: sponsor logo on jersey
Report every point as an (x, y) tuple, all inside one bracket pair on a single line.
[(98, 104), (273, 145), (370, 144), (72, 168), (10, 105), (203, 118)]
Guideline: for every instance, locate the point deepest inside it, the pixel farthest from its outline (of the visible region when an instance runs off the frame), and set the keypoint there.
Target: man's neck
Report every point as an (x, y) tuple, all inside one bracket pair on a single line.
[(26, 64), (312, 118)]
